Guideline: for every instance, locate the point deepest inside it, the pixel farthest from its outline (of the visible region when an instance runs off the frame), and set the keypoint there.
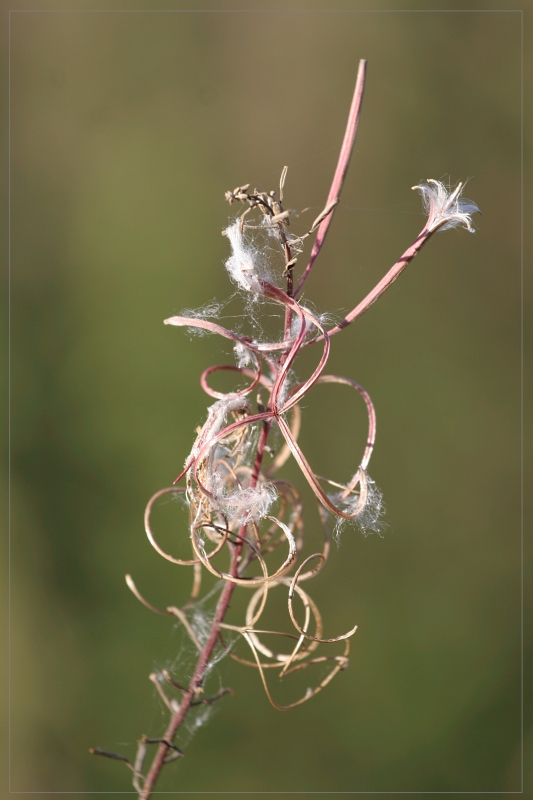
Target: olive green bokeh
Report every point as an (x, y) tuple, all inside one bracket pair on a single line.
[(126, 129)]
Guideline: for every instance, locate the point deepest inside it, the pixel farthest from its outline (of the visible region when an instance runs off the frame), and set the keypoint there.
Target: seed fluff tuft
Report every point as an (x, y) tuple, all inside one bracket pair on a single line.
[(446, 208), (370, 520), (246, 263)]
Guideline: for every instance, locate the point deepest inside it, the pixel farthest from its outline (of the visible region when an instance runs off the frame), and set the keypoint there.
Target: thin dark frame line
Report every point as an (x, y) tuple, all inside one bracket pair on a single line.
[(9, 403), (267, 11), (522, 488), (522, 397)]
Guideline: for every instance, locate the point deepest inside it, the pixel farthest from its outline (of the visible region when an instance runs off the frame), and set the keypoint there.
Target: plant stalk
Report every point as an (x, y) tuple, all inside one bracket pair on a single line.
[(203, 659)]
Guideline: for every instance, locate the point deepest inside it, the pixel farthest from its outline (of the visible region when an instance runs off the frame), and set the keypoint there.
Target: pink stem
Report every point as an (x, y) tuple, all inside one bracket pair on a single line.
[(288, 358), (340, 172), (312, 479), (230, 368), (394, 272), (196, 681), (371, 438)]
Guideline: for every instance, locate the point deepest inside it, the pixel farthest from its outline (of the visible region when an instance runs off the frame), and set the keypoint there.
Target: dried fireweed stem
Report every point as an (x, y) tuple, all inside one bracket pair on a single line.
[(195, 685), (236, 504)]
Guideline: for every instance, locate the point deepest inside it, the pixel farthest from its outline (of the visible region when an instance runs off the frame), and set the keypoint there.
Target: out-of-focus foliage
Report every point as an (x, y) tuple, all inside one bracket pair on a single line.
[(126, 129)]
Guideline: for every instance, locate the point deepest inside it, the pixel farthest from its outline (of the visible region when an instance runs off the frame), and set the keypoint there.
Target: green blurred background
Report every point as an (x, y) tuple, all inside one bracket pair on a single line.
[(126, 129)]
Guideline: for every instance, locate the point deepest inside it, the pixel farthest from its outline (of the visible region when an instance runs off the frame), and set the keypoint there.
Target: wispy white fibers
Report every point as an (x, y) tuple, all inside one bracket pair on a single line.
[(246, 264), (370, 519), (242, 504), (310, 328), (208, 311), (216, 418), (217, 414), (243, 356), (248, 504), (445, 208)]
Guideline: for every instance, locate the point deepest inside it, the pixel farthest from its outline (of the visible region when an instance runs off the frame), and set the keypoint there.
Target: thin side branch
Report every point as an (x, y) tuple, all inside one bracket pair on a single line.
[(340, 172), (394, 273)]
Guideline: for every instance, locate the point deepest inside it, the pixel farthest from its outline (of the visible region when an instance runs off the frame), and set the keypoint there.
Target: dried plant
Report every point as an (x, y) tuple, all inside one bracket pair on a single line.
[(236, 504)]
